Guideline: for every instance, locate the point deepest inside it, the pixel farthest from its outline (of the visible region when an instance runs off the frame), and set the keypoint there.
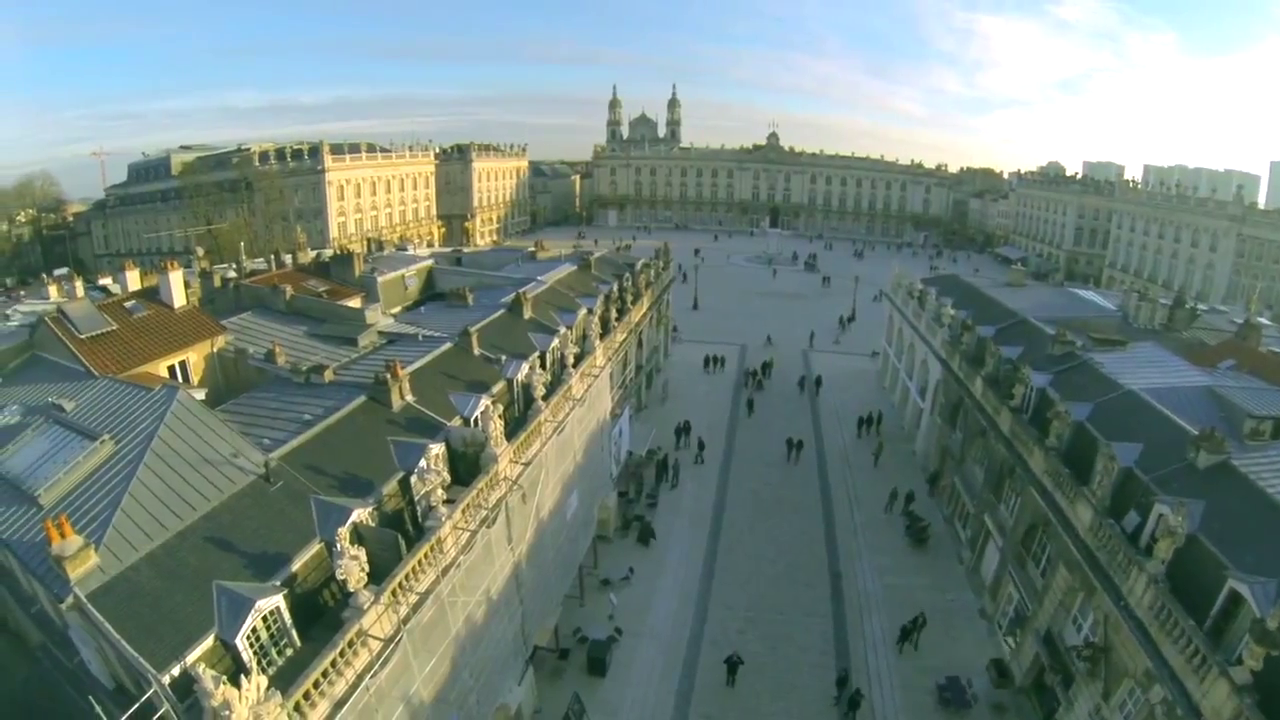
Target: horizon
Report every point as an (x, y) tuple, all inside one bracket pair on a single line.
[(1008, 85)]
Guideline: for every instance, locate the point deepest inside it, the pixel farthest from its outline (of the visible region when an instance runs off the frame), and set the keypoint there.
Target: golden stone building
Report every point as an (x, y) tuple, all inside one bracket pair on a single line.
[(650, 177), (267, 196), (483, 192)]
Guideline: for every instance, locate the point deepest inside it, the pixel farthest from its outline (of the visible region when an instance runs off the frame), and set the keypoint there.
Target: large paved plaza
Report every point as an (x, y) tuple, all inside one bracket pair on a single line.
[(794, 566)]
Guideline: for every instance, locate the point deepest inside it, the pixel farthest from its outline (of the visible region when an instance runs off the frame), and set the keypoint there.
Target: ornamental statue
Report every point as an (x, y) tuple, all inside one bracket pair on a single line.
[(1170, 533), (495, 429), (537, 383), (433, 469), (570, 354), (351, 568), (1105, 478), (1262, 641), (592, 331), (254, 699), (437, 505)]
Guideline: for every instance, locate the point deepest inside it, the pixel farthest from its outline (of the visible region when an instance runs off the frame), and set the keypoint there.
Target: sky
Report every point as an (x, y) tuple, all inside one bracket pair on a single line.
[(1000, 83)]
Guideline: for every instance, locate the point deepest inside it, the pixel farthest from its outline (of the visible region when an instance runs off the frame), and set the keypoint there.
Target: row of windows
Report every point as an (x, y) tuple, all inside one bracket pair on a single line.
[(827, 180), (404, 218), (359, 188), (771, 197)]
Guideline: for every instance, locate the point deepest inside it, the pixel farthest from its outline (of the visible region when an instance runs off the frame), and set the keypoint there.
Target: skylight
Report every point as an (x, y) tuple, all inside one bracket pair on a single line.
[(48, 459), (135, 308), (319, 286)]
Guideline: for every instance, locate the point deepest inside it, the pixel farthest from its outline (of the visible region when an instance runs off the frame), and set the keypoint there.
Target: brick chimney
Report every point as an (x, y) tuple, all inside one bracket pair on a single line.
[(173, 285), (129, 278), (520, 305), (52, 291), (1017, 275), (76, 556), (391, 386), (471, 340), (276, 355)]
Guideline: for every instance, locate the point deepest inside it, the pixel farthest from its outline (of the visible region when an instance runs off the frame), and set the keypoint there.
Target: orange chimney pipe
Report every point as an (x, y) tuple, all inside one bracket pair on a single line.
[(51, 532), (64, 525)]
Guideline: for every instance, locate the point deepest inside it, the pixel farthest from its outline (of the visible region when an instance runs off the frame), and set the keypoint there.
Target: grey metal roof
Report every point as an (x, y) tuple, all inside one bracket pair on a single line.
[(392, 262), (1045, 302), (410, 351), (536, 268), (257, 329), (1148, 364), (1255, 401), (448, 320), (172, 459), (277, 413)]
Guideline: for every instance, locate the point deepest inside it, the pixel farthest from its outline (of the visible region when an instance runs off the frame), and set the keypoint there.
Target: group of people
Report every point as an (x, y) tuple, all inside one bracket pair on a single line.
[(667, 469), (683, 437), (909, 632), (854, 703), (817, 384), (713, 363)]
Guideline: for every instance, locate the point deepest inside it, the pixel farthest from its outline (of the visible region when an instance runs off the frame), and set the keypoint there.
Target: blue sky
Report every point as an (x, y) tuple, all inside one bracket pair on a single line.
[(1002, 83)]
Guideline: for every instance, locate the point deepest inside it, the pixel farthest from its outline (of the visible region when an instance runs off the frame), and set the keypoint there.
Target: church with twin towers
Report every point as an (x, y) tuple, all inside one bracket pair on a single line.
[(642, 130)]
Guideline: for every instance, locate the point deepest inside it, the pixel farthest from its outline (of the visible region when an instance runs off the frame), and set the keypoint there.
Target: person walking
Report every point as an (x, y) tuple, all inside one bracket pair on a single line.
[(812, 335), (675, 474), (888, 504), (817, 385), (919, 622), (732, 663), (875, 454), (862, 422), (868, 421), (799, 449), (801, 383), (879, 420), (791, 448), (723, 362), (854, 704), (688, 432), (679, 433), (907, 501), (698, 458), (904, 636), (751, 405), (706, 363), (842, 684)]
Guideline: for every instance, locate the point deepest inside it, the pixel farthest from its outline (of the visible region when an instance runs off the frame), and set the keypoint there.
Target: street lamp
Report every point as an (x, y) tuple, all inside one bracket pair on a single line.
[(695, 286)]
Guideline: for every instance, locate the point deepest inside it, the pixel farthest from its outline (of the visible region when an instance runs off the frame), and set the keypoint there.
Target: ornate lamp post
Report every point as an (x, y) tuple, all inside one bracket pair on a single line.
[(695, 286)]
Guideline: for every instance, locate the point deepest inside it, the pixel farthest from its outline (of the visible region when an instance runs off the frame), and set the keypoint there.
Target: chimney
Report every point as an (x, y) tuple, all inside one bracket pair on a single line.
[(387, 389), (1017, 275), (277, 259), (272, 263), (1181, 314), (77, 287), (1249, 332), (1207, 447), (173, 284), (130, 278), (520, 305), (51, 289), (471, 340), (77, 556), (461, 297), (588, 263), (1062, 343), (280, 297), (276, 355), (397, 374), (347, 267)]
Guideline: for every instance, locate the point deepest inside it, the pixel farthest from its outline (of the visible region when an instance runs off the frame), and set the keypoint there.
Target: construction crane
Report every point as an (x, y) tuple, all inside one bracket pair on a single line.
[(102, 155)]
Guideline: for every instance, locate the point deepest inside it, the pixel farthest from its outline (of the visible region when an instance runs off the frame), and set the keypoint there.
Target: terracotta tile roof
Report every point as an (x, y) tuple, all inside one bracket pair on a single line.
[(305, 283), (1250, 360), (146, 379), (145, 330)]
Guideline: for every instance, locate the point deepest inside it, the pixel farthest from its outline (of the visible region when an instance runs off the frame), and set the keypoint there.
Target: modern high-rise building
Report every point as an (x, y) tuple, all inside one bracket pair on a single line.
[(1202, 182), (1103, 170), (1273, 186)]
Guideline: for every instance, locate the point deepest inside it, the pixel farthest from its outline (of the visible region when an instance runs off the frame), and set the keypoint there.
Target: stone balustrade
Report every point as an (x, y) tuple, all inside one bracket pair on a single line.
[(353, 653), (1178, 636)]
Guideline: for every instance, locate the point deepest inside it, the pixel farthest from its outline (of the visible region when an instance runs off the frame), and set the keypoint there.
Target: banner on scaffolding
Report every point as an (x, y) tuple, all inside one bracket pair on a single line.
[(577, 709), (620, 441)]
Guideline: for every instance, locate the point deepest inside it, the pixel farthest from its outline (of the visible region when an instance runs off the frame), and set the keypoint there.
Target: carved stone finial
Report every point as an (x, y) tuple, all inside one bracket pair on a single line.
[(495, 428), (351, 568), (1169, 536), (253, 699)]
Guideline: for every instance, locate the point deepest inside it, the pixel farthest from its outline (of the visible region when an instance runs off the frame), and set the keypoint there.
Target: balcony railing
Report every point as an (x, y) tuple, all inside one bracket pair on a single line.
[(365, 641), (1178, 638)]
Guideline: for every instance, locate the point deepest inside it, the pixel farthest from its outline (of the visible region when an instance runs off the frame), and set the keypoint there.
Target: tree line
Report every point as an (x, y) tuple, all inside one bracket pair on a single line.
[(35, 227)]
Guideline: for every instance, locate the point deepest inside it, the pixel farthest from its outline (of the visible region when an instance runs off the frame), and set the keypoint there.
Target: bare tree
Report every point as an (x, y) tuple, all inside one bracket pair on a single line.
[(31, 206), (219, 212)]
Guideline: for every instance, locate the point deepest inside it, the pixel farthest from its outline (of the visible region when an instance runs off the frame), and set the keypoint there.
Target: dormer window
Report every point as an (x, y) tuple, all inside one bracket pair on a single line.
[(1261, 429), (254, 619)]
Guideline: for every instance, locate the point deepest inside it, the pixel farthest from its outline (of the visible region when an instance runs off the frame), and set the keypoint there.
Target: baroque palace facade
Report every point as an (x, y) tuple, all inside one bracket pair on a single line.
[(647, 176), (1113, 500), (1216, 251), (326, 195)]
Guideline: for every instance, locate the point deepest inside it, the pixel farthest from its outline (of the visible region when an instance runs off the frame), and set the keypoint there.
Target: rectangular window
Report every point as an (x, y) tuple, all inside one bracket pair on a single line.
[(180, 372), (1012, 614), (1129, 702), (1038, 555), (1010, 497), (1082, 626), (268, 641)]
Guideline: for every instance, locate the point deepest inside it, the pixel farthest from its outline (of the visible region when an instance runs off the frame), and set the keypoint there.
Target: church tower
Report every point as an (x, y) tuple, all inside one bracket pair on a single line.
[(673, 118), (613, 127)]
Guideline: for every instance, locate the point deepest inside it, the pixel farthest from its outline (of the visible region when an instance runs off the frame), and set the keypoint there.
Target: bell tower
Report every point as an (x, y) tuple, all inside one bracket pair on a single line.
[(613, 127), (673, 117)]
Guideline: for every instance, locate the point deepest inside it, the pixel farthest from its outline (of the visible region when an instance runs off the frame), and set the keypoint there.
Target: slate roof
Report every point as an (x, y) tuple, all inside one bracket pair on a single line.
[(454, 370), (253, 535), (305, 283), (299, 336), (1147, 403), (171, 460), (279, 412), (144, 330)]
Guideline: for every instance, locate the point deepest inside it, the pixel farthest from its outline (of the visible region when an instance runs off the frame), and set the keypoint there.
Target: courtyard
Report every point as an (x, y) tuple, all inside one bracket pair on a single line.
[(793, 565)]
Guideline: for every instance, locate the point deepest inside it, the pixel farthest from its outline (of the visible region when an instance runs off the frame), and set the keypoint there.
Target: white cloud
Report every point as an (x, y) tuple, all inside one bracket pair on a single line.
[(963, 84)]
